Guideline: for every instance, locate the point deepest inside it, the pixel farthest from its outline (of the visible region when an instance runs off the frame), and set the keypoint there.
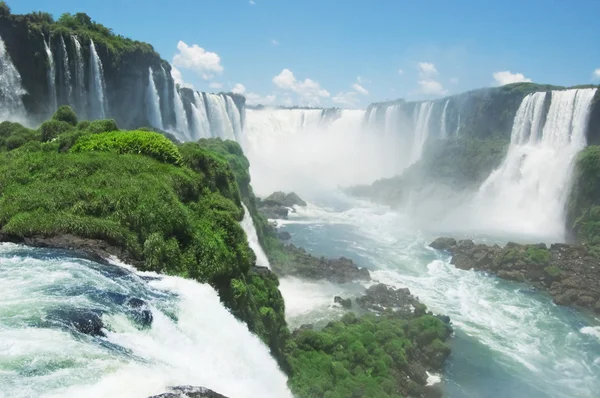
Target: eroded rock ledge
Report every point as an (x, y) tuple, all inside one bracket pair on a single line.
[(569, 273)]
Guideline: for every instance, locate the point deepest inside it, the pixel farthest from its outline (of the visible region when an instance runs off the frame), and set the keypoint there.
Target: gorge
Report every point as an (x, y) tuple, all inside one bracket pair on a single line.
[(138, 257)]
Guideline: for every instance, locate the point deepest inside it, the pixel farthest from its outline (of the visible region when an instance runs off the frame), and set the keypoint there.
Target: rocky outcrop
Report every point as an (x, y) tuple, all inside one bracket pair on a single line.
[(304, 265), (82, 320), (278, 204), (382, 298), (346, 303), (569, 273), (189, 392)]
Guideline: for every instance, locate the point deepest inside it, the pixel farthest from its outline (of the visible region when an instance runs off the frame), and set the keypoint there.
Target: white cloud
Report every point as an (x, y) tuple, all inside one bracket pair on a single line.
[(274, 42), (309, 90), (400, 71), (453, 80), (427, 69), (347, 99), (252, 2), (360, 89), (197, 59), (431, 87), (256, 99), (178, 79), (287, 101), (506, 77), (238, 89), (597, 74), (215, 85)]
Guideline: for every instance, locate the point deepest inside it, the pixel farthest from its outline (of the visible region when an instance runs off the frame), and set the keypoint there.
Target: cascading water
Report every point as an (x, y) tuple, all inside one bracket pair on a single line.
[(234, 116), (250, 230), (98, 102), (80, 92), (422, 114), (51, 75), (201, 125), (11, 104), (220, 123), (66, 82), (159, 331), (444, 127), (180, 116), (153, 103), (167, 102), (528, 192)]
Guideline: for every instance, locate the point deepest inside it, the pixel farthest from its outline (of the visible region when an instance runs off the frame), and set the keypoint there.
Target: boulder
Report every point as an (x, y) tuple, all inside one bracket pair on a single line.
[(381, 298), (346, 303), (82, 320), (189, 392)]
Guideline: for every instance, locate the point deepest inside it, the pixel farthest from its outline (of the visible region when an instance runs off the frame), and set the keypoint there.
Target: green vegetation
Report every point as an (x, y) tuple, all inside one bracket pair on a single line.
[(13, 135), (65, 114), (365, 357), (136, 191), (553, 270), (583, 217), (538, 255)]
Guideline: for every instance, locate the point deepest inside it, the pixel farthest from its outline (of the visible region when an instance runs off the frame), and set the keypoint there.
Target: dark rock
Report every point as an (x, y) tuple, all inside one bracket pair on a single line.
[(283, 199), (381, 298), (443, 318), (568, 272), (284, 235), (139, 311), (346, 303), (79, 319), (189, 392)]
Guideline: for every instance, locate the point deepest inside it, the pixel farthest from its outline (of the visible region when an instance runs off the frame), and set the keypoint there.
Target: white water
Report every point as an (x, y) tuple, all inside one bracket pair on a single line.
[(199, 118), (444, 127), (165, 96), (153, 103), (234, 117), (250, 230), (98, 101), (80, 91), (11, 104), (220, 123), (422, 114), (193, 339), (66, 73), (180, 115), (51, 76), (528, 192)]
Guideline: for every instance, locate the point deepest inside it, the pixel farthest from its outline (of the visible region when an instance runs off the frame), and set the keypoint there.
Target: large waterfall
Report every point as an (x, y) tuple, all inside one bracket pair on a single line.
[(51, 76), (250, 230), (159, 331), (11, 104), (65, 77), (153, 103), (219, 119), (528, 192), (444, 127), (180, 115), (200, 122), (81, 101), (97, 86)]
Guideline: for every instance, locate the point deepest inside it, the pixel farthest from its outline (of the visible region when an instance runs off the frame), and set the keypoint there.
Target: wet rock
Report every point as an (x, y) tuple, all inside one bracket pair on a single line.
[(139, 311), (189, 392), (284, 199), (381, 298), (443, 244), (346, 303), (82, 320)]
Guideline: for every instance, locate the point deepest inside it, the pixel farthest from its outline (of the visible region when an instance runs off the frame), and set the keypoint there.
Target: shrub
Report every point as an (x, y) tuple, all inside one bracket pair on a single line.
[(4, 9), (65, 114), (83, 125), (52, 128), (553, 270), (14, 135), (131, 142), (538, 255), (101, 126)]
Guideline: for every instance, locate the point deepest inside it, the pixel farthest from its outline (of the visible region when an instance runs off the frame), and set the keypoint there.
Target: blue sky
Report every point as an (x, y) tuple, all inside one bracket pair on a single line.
[(354, 52)]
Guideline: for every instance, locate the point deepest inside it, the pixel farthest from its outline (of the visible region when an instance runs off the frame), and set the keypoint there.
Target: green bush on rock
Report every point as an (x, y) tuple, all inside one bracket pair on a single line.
[(99, 126), (65, 114), (51, 129)]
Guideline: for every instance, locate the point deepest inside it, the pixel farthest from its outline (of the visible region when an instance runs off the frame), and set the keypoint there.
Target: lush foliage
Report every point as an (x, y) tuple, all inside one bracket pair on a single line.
[(364, 357), (65, 114), (51, 129), (131, 142), (13, 135), (584, 202)]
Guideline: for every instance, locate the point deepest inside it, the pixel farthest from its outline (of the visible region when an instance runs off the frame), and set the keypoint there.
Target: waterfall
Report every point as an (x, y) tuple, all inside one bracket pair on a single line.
[(178, 333), (529, 190), (67, 83), (234, 116), (457, 127), (153, 103), (11, 104), (248, 226), (180, 116), (422, 114), (51, 77), (80, 92), (199, 118), (167, 104), (220, 123), (444, 127), (98, 103)]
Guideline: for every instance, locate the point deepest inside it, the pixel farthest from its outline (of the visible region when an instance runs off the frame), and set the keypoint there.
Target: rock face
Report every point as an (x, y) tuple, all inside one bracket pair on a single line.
[(569, 273), (277, 204), (346, 303), (305, 265), (82, 320), (189, 392), (381, 298)]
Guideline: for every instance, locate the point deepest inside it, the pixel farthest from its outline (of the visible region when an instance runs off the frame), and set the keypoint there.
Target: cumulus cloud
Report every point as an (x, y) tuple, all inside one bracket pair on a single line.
[(197, 59), (427, 69), (178, 78), (597, 74), (431, 87), (215, 85), (360, 89), (238, 89), (309, 90), (506, 77), (347, 99)]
